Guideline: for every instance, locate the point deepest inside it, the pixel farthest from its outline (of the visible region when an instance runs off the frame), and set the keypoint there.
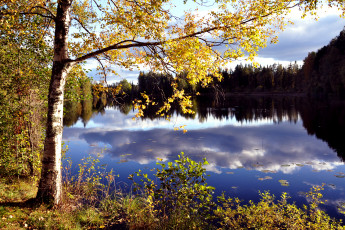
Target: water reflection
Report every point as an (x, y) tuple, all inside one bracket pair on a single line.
[(263, 147), (323, 119), (281, 144), (326, 120)]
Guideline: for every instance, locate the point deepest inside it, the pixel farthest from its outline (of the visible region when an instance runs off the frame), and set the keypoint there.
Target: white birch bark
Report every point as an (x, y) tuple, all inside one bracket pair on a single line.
[(50, 185)]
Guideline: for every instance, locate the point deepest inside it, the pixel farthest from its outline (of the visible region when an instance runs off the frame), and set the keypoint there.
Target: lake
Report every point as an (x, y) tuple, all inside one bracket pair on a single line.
[(253, 143)]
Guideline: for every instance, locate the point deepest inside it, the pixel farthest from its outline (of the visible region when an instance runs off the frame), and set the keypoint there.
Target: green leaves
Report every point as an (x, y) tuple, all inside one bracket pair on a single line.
[(180, 189), (271, 214), (25, 58)]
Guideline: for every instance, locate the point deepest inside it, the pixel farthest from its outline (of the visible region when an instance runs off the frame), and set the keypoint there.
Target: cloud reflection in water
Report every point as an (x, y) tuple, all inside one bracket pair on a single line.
[(281, 147)]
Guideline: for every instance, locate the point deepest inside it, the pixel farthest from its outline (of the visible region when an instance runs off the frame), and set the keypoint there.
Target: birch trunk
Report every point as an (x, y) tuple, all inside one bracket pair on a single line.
[(50, 185)]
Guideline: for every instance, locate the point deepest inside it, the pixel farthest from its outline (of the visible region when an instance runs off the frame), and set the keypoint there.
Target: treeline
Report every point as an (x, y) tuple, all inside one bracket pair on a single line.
[(272, 78), (244, 78), (154, 84), (321, 75)]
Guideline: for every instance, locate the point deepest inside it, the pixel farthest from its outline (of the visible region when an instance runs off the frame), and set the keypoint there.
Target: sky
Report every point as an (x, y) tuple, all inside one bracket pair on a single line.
[(295, 42), (304, 36)]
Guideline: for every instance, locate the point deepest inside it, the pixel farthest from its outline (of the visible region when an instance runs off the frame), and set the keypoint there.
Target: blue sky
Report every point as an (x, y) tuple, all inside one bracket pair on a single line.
[(295, 42)]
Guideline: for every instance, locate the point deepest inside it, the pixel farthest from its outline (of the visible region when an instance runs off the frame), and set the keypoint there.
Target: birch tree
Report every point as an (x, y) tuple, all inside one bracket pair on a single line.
[(135, 33)]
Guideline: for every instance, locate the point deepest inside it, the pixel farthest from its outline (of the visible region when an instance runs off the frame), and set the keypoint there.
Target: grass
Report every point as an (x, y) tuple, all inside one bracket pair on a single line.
[(16, 190), (90, 204), (16, 214)]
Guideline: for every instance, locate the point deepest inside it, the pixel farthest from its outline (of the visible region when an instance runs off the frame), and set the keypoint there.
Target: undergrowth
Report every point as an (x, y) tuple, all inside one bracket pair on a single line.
[(177, 197)]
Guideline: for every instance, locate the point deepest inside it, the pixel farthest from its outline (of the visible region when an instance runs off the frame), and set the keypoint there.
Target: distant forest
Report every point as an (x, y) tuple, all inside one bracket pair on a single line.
[(321, 75)]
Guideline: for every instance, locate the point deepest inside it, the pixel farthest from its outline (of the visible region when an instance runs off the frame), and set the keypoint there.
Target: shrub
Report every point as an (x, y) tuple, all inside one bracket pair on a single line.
[(181, 197), (268, 214)]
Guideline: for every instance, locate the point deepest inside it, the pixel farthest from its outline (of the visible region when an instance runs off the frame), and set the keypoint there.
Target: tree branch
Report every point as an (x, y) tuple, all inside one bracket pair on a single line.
[(117, 46), (81, 24), (98, 6), (46, 9), (28, 13), (133, 43), (104, 72), (51, 16)]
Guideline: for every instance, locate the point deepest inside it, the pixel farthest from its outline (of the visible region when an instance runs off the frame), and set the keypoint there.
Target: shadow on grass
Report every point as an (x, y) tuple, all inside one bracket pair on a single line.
[(30, 203)]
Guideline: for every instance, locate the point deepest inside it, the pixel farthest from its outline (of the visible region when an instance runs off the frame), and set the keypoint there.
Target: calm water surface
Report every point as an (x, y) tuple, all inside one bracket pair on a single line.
[(281, 144)]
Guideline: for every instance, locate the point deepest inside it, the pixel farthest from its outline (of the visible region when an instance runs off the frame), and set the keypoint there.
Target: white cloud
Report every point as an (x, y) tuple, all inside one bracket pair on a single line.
[(323, 166), (129, 75), (304, 36)]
